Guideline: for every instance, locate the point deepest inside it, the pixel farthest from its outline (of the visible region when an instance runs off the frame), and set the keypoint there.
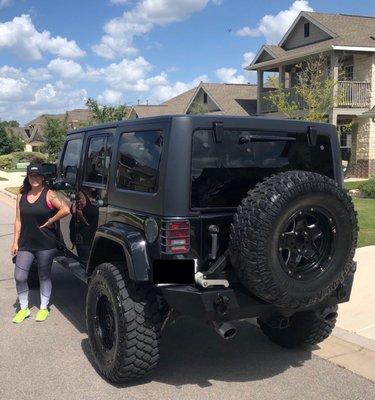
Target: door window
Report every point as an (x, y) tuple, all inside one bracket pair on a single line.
[(71, 160), (138, 164), (96, 166)]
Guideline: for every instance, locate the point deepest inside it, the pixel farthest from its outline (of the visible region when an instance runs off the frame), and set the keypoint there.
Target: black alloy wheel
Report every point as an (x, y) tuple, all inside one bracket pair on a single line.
[(307, 243)]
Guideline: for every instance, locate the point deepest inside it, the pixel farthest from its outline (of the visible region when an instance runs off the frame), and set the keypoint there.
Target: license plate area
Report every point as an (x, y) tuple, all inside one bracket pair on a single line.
[(174, 272)]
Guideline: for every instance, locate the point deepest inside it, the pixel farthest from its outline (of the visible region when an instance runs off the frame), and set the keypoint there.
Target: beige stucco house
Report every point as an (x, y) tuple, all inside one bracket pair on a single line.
[(217, 98), (349, 43)]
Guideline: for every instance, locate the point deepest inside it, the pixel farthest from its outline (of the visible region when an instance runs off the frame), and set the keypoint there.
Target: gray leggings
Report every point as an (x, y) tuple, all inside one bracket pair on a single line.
[(24, 261)]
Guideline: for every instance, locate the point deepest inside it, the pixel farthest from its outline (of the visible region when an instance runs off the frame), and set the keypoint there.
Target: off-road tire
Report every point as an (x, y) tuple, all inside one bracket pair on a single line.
[(256, 228), (305, 328), (137, 323), (33, 278)]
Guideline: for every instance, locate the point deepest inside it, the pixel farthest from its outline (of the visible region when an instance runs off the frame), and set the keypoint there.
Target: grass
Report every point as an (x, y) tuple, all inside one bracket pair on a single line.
[(352, 185), (366, 220), (14, 190)]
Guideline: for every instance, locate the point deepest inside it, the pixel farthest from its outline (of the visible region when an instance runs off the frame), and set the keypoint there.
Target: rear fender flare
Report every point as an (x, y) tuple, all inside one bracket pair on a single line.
[(133, 244)]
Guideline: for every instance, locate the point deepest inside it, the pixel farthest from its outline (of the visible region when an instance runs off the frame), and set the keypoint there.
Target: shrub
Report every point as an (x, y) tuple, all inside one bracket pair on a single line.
[(9, 161), (368, 188)]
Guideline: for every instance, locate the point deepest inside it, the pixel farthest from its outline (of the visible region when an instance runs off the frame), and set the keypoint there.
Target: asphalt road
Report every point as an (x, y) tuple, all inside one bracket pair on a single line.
[(52, 360)]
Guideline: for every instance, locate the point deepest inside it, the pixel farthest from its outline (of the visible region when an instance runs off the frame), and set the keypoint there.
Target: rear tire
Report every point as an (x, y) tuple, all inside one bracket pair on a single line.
[(123, 324), (33, 278), (305, 328)]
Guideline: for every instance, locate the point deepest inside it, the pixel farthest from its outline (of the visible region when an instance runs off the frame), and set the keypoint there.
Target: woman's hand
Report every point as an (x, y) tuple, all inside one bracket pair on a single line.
[(14, 249), (47, 224)]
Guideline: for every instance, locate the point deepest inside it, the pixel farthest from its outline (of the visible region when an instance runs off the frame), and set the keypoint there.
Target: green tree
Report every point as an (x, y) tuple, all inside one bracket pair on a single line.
[(313, 95), (54, 132), (103, 113), (8, 142), (5, 141), (198, 108)]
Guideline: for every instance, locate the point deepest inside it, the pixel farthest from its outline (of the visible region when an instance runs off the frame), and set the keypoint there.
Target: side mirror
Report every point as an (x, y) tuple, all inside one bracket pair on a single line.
[(50, 171)]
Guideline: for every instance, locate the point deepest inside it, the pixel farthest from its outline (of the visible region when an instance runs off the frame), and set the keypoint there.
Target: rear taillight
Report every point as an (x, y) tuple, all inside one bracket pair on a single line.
[(175, 237)]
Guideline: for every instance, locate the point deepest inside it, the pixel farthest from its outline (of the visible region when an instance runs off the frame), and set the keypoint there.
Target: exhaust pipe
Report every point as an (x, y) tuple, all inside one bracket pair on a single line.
[(225, 329)]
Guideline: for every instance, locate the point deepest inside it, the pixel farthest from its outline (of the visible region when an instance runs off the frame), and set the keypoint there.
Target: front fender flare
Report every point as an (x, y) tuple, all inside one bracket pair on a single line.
[(134, 246)]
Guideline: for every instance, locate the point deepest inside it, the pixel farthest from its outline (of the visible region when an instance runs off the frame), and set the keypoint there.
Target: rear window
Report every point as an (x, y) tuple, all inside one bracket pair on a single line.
[(222, 173)]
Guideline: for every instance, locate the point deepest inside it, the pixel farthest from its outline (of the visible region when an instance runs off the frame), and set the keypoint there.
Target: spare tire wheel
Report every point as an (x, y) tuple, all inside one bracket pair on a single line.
[(293, 238)]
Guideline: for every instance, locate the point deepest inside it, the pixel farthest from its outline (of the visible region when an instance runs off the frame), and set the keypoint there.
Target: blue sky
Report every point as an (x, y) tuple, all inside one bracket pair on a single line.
[(54, 54)]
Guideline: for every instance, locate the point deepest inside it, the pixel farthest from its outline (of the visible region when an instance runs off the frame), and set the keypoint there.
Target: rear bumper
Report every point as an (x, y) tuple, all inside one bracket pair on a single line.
[(226, 304)]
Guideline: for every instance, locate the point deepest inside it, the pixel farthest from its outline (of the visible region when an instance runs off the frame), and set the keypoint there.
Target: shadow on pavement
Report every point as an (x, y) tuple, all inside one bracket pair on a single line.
[(192, 352)]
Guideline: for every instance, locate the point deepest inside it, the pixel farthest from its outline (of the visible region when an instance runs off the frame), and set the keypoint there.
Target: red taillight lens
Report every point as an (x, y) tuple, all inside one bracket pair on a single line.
[(176, 238)]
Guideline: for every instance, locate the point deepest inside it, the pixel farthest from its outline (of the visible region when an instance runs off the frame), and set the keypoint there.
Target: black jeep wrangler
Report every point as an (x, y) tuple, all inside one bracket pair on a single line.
[(217, 218)]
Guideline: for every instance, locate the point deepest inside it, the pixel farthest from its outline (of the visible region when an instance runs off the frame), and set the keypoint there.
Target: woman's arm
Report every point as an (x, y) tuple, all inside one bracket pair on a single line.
[(17, 228), (60, 205)]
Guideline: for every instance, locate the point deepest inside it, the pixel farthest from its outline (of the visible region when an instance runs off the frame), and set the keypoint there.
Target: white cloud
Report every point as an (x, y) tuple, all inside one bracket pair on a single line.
[(273, 27), (66, 69), (229, 75), (120, 32), (5, 3), (110, 97), (248, 58), (21, 37), (12, 89)]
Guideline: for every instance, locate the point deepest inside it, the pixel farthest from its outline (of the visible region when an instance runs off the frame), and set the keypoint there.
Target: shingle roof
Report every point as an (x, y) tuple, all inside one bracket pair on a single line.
[(232, 99), (349, 30), (19, 132)]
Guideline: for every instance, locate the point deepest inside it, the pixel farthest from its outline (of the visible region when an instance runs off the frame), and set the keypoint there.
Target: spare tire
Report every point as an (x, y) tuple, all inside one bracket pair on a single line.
[(293, 239)]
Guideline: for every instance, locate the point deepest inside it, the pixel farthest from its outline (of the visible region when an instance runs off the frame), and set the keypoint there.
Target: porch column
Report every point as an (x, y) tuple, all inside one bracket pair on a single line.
[(332, 117), (259, 91), (334, 75), (282, 76)]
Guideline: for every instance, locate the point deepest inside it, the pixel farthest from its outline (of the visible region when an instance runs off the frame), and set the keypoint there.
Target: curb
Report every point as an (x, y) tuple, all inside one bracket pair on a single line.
[(354, 338), (6, 193)]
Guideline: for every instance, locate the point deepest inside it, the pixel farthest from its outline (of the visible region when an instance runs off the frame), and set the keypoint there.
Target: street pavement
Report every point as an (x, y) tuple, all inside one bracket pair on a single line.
[(52, 360)]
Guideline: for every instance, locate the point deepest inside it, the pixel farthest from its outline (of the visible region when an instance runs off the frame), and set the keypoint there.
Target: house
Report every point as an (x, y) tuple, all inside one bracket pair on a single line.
[(32, 132), (348, 41), (213, 98)]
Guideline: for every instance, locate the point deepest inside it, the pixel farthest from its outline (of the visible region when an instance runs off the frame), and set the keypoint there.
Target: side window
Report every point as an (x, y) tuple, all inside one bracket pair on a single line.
[(96, 169), (71, 159), (139, 158)]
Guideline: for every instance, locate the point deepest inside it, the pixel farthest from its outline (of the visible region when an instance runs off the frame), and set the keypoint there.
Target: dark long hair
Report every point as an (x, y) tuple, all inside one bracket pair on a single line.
[(26, 187)]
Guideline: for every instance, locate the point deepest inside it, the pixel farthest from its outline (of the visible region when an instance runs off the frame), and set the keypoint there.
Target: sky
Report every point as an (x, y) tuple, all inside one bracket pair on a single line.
[(55, 54)]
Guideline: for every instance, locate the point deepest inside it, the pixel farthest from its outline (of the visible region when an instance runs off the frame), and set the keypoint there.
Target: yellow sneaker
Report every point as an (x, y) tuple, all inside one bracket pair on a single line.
[(41, 315), (21, 316)]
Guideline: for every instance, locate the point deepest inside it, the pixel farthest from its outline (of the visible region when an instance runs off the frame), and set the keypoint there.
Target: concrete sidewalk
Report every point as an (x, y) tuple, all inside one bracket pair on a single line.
[(358, 315), (13, 179)]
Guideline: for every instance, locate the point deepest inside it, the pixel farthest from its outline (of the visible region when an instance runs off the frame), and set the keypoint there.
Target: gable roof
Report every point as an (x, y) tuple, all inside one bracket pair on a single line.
[(231, 99), (346, 31)]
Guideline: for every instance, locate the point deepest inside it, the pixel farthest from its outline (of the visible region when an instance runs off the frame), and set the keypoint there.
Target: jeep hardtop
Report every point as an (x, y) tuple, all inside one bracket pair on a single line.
[(213, 217)]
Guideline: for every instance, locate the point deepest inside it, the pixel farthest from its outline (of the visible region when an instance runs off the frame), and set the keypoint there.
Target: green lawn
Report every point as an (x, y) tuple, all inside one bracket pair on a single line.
[(352, 185), (14, 190), (366, 220)]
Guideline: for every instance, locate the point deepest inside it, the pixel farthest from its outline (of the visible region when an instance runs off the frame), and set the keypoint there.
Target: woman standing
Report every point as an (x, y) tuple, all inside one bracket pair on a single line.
[(35, 237)]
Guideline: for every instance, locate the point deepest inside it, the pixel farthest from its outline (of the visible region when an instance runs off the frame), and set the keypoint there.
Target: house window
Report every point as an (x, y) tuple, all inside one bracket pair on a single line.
[(205, 98), (307, 29)]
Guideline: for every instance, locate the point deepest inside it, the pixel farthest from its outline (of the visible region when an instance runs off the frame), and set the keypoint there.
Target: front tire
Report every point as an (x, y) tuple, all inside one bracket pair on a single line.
[(306, 328), (123, 324)]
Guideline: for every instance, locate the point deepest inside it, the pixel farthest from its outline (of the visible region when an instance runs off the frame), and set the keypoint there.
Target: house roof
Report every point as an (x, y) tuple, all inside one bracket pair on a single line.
[(231, 99), (344, 30), (20, 132)]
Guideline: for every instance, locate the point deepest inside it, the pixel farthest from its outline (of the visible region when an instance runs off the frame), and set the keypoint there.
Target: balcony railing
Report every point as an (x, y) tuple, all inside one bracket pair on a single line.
[(351, 94), (354, 94)]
